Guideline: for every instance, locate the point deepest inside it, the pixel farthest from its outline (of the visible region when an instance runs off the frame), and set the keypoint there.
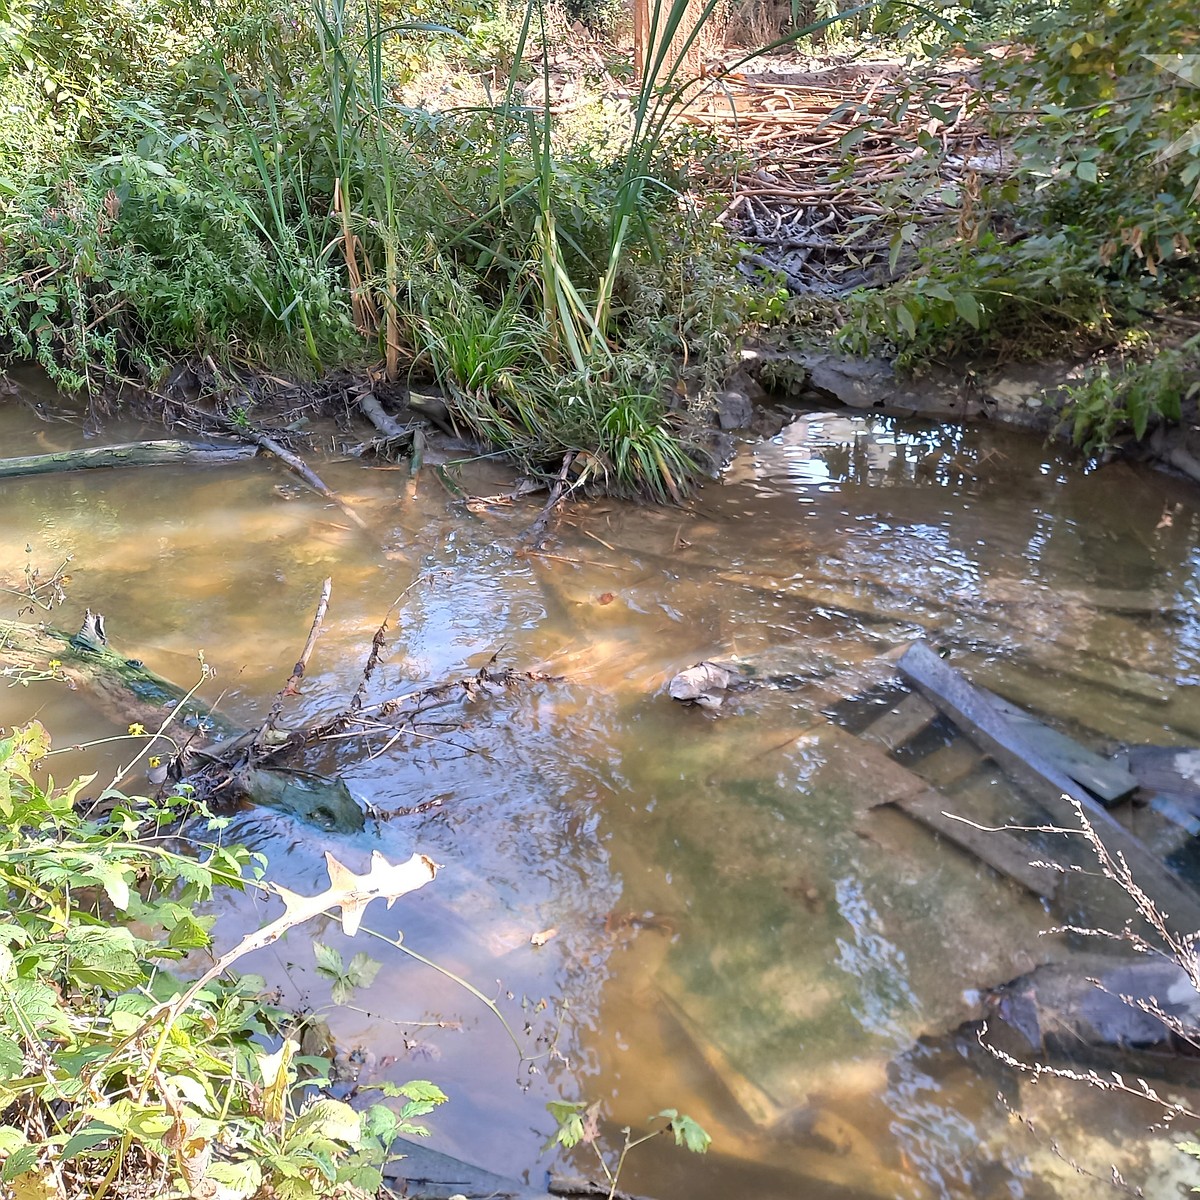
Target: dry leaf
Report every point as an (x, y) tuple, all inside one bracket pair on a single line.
[(37, 1184), (347, 891), (540, 939)]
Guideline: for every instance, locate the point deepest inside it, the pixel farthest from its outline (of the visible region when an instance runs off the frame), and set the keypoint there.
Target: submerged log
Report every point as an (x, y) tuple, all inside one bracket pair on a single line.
[(131, 694), (130, 454), (975, 714)]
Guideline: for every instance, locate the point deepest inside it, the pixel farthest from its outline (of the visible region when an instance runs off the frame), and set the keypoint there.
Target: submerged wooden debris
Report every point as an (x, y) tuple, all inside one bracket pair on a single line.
[(162, 453), (1065, 778), (1001, 851), (419, 1172), (199, 747), (1011, 744)]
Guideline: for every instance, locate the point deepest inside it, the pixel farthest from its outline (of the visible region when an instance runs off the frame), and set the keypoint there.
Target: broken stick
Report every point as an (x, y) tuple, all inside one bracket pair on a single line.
[(535, 535), (293, 684)]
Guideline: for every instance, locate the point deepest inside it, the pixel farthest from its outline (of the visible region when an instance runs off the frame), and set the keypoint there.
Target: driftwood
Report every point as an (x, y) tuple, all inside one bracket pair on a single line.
[(387, 425), (419, 1172), (393, 436), (130, 454), (129, 692), (535, 535), (301, 468), (577, 1185), (982, 722)]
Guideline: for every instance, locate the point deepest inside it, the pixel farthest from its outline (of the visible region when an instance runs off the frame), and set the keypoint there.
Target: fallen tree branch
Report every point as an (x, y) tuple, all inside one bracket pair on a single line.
[(387, 425), (130, 454), (535, 535), (297, 464)]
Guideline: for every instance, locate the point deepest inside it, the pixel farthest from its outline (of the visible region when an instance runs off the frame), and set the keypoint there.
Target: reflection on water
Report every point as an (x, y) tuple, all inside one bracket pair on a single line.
[(736, 932)]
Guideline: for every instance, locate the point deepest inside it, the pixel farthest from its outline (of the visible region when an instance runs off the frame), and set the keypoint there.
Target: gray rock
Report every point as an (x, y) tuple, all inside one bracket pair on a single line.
[(1141, 1002), (734, 410)]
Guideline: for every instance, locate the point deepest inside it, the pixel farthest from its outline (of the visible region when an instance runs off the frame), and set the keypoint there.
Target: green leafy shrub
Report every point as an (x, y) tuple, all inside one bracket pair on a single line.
[(108, 1084), (1139, 395), (1018, 299)]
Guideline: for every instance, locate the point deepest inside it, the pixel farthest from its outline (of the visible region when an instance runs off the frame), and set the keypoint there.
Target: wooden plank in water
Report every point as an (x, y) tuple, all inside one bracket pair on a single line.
[(985, 725), (1001, 851), (1166, 768), (1107, 781), (907, 791), (913, 715)]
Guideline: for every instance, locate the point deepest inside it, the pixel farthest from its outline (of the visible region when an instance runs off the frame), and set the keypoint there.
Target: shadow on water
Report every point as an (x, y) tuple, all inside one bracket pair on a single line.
[(731, 930)]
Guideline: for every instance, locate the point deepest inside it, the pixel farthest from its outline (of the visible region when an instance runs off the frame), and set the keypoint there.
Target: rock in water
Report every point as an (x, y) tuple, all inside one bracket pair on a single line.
[(706, 684)]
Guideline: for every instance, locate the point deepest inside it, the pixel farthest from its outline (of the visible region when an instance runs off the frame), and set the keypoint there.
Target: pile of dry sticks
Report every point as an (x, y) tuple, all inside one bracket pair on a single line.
[(836, 172)]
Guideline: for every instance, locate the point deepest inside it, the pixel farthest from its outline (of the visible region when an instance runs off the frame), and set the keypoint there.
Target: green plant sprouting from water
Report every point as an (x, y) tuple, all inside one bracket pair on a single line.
[(579, 1123)]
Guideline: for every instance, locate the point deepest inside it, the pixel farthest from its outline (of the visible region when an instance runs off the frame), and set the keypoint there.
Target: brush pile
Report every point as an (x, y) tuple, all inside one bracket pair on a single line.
[(849, 167)]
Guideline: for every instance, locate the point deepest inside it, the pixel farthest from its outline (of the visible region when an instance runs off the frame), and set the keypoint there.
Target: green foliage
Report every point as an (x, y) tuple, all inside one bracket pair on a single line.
[(244, 184), (102, 1075), (1098, 223), (579, 1123), (1017, 299), (360, 972), (1192, 1148), (1141, 394)]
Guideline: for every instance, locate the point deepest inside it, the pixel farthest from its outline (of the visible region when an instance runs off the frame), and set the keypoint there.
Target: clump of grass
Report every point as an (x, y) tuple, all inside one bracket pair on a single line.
[(257, 193)]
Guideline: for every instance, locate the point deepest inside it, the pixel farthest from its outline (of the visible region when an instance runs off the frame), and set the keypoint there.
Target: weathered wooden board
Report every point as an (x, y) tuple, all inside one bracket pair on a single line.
[(985, 725), (949, 765), (913, 715), (1005, 854), (1107, 781), (1174, 769), (1170, 777)]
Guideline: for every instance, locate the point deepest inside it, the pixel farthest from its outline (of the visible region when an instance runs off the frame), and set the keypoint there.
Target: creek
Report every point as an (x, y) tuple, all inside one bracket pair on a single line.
[(726, 934)]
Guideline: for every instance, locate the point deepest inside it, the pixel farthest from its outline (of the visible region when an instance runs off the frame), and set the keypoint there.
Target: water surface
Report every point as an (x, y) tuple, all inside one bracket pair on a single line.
[(733, 931)]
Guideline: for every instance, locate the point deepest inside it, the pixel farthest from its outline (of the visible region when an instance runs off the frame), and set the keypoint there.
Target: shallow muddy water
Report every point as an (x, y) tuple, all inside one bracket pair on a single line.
[(730, 929)]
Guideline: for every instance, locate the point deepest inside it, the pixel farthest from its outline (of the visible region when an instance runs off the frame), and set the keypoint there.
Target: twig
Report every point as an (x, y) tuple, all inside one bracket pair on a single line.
[(293, 684), (536, 533), (597, 538), (377, 643), (588, 562)]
